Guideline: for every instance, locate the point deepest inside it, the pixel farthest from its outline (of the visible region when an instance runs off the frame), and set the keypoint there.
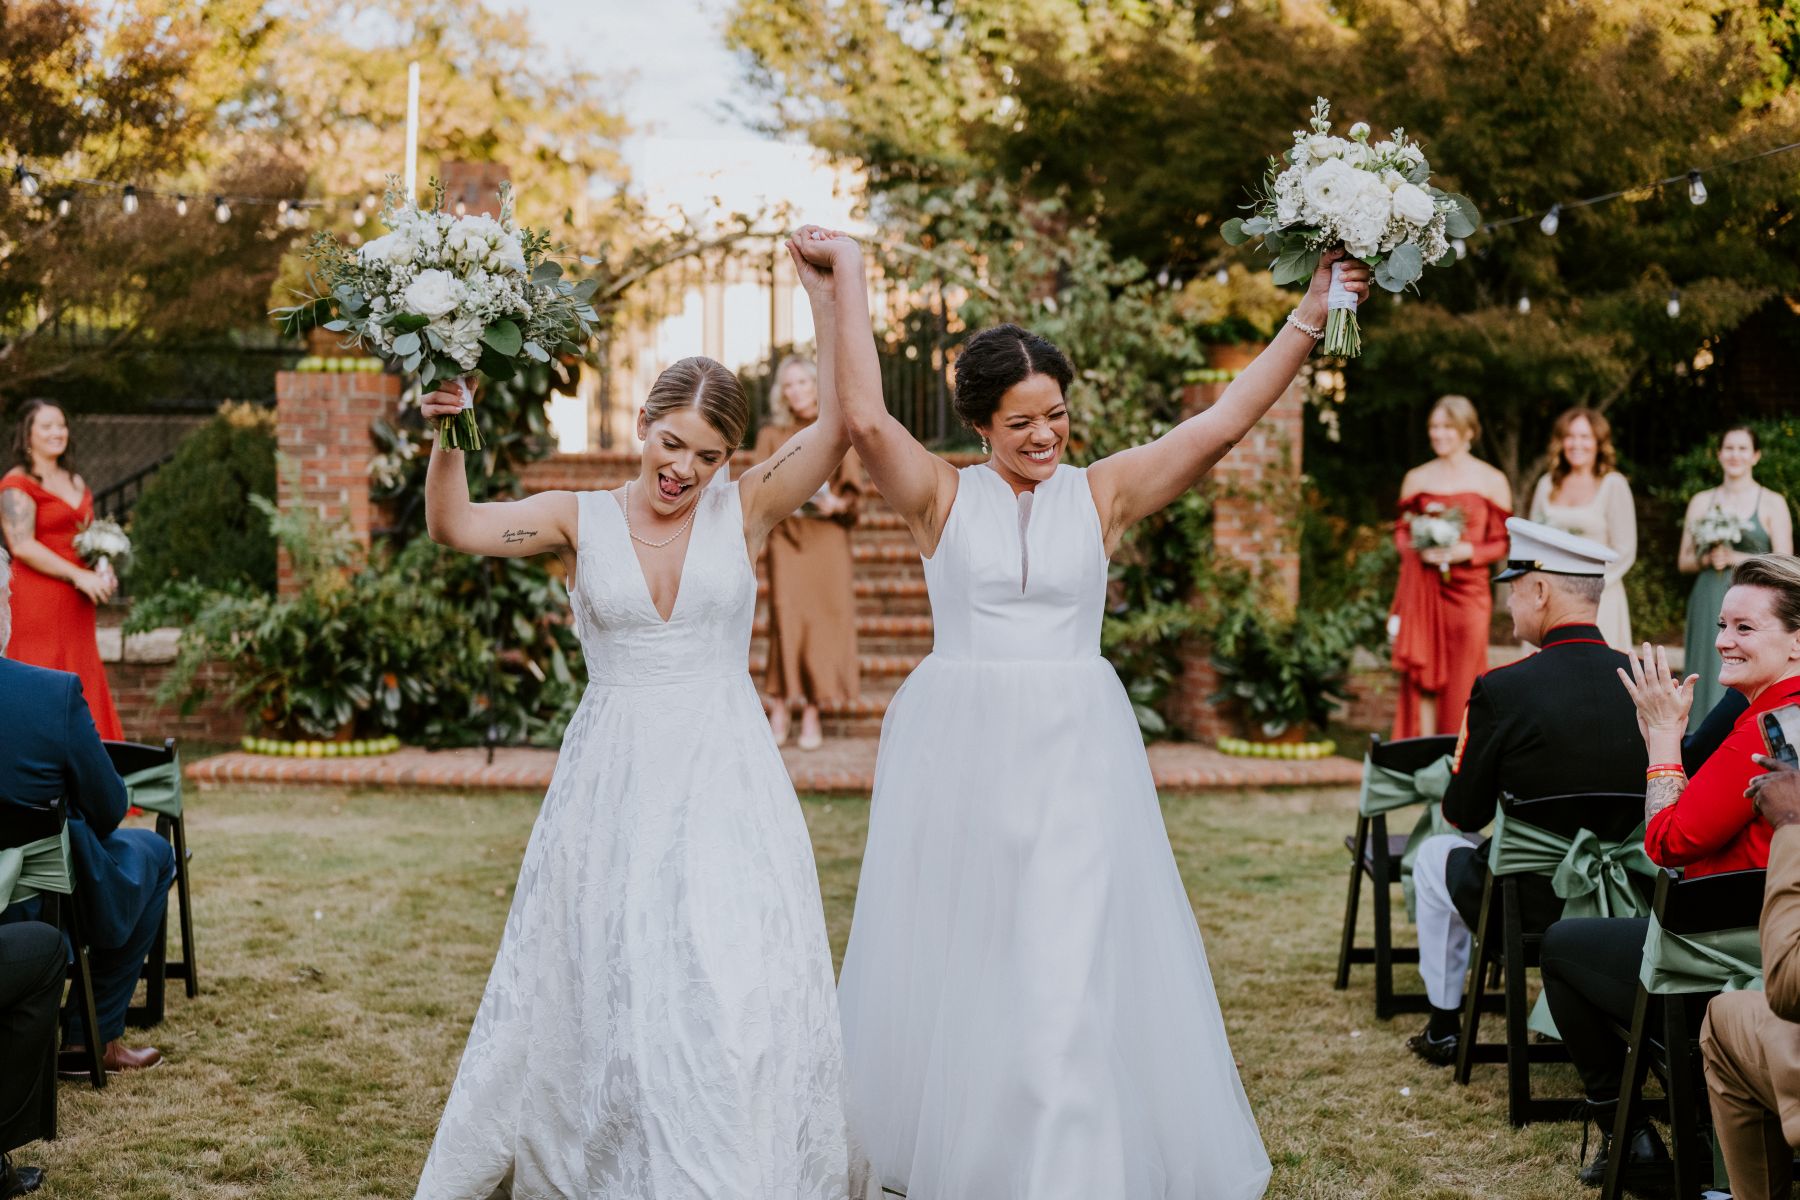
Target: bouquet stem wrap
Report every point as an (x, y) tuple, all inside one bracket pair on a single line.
[(1343, 337), (459, 432)]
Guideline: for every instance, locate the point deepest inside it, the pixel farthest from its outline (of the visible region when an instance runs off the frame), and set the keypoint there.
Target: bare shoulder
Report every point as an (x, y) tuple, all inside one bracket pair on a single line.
[(1412, 483), (1495, 485), (1701, 500)]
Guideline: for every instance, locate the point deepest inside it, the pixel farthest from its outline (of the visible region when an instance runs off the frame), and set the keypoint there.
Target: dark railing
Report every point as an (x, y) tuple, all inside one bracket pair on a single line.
[(117, 501)]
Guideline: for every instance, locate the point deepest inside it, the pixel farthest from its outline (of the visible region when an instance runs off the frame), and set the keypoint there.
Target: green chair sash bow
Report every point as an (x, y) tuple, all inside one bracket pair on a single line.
[(1593, 877), (1384, 790), (1722, 960), (157, 789), (45, 865)]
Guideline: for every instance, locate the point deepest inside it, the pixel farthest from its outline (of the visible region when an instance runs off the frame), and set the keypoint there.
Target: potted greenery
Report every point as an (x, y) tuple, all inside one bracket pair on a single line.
[(1282, 676)]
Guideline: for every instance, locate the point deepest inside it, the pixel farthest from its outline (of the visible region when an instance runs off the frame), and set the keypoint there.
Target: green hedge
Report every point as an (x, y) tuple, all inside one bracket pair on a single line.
[(194, 523)]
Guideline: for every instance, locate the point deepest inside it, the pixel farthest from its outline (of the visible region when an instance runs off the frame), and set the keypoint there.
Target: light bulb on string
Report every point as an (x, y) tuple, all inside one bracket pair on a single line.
[(1673, 307), (130, 202), (26, 180), (1524, 304), (221, 210), (462, 208), (358, 217), (1696, 188), (1552, 220), (1222, 277), (1461, 247), (63, 206), (181, 206), (369, 200), (281, 208)]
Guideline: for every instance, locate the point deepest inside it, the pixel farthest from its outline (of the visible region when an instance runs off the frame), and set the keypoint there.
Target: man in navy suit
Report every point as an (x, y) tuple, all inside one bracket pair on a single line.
[(49, 749)]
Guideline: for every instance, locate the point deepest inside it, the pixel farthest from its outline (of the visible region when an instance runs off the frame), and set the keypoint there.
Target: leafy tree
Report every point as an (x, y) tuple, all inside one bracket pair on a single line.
[(194, 523)]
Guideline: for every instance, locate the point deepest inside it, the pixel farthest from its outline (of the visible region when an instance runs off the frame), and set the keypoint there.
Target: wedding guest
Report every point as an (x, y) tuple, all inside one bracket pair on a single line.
[(1445, 601), (43, 505), (812, 604), (1751, 1039), (1704, 826), (1763, 525), (32, 966), (52, 751), (1585, 495)]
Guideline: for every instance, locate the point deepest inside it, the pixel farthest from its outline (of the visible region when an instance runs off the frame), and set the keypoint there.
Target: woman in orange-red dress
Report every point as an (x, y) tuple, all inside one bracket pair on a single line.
[(43, 505), (1445, 601)]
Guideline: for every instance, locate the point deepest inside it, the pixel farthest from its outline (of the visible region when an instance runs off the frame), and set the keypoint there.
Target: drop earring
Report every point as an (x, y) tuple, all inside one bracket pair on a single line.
[(984, 447)]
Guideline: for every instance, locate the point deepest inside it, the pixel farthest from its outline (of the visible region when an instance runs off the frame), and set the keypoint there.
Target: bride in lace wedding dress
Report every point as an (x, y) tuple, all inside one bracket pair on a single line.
[(661, 1021)]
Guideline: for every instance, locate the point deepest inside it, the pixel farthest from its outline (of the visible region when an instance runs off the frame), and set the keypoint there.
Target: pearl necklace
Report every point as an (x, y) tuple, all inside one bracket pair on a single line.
[(694, 508)]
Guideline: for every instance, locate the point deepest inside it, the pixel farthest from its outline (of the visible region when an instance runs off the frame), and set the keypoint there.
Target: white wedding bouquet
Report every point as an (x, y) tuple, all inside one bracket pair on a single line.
[(1717, 527), (445, 296), (1438, 527), (104, 546), (1375, 200)]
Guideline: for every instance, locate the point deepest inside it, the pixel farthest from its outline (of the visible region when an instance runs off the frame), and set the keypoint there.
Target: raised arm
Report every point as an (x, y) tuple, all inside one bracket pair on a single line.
[(18, 525), (547, 523), (1134, 483), (916, 483), (827, 263)]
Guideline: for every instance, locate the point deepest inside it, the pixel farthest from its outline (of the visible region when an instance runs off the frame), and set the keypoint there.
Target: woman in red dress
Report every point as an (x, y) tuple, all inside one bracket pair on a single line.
[(1443, 605), (43, 505)]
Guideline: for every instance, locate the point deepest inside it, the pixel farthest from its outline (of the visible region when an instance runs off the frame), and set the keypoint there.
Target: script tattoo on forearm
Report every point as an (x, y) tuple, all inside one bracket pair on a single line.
[(1660, 793), (512, 537), (774, 466)]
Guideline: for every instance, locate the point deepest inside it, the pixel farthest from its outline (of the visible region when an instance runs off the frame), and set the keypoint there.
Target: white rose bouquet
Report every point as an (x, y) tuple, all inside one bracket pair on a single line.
[(1717, 527), (444, 296), (104, 545), (1375, 200), (1438, 527)]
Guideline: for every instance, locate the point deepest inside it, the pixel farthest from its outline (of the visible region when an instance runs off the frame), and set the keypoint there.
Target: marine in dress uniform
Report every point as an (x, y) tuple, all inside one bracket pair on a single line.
[(1556, 723)]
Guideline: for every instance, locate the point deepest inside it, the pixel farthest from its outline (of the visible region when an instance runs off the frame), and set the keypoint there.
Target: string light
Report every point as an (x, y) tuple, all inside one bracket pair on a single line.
[(181, 206), (1696, 188), (1221, 277), (1524, 304), (221, 210), (281, 207), (130, 202), (358, 217), (1673, 307), (1551, 221), (26, 180), (1461, 247), (63, 206)]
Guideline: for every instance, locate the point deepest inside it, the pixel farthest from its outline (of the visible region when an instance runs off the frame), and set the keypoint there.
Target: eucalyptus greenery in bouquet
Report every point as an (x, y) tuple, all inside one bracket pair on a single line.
[(1375, 200), (444, 296)]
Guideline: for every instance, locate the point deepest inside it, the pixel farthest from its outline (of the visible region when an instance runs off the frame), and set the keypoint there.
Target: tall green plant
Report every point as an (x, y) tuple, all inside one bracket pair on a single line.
[(194, 523)]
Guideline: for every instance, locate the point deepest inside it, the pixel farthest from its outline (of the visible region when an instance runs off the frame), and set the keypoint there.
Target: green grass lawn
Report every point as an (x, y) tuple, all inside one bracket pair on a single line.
[(345, 938)]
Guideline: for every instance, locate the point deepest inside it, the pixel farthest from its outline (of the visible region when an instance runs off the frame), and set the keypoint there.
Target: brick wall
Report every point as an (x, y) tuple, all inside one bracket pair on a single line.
[(136, 668), (323, 421)]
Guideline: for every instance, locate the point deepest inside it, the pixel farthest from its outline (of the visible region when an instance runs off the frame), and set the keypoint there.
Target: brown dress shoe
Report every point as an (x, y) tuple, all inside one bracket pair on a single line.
[(120, 1057)]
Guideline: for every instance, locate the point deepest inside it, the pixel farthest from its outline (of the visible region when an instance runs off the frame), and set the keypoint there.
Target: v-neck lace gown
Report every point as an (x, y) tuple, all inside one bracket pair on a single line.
[(661, 1021)]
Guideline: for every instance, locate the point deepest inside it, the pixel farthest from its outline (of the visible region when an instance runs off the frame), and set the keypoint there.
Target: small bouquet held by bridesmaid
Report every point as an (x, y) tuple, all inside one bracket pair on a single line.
[(1718, 528), (443, 296), (104, 546), (1375, 200), (1438, 527)]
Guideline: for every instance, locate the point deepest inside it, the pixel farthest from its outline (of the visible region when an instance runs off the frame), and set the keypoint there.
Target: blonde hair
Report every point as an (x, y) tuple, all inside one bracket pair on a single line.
[(1461, 412), (1780, 573), (1605, 458), (705, 385), (778, 408)]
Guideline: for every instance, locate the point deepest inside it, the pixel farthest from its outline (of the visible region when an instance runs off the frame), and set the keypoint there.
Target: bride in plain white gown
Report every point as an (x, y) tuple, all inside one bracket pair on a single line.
[(660, 1022), (1028, 1012)]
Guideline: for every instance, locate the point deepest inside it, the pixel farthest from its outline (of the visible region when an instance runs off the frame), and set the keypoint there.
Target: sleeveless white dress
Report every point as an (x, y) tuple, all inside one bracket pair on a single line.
[(1028, 1013), (661, 1021)]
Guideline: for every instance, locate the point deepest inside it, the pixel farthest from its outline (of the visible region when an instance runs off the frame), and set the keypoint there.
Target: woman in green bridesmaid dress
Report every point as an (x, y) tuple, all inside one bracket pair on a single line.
[(1763, 525)]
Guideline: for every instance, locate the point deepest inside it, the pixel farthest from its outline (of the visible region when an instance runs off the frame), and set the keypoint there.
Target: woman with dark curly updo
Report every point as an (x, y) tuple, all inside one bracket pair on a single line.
[(1027, 1006)]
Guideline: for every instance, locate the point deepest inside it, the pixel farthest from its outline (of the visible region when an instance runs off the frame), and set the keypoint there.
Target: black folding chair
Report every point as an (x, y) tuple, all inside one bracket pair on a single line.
[(21, 825), (1375, 855), (1686, 907), (1612, 816), (133, 758)]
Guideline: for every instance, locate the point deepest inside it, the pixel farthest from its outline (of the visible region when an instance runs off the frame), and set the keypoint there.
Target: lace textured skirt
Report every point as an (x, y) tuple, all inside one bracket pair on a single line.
[(660, 1021)]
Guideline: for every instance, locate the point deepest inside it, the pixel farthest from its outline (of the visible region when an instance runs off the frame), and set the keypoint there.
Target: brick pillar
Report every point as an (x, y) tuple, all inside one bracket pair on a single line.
[(474, 185), (1256, 499), (323, 421)]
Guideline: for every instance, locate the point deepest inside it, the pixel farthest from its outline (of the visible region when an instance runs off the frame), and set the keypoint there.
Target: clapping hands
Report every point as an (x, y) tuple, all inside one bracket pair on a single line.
[(1662, 701)]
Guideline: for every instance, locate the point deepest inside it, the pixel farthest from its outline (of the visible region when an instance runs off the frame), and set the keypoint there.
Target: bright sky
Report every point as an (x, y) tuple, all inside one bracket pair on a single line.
[(676, 82)]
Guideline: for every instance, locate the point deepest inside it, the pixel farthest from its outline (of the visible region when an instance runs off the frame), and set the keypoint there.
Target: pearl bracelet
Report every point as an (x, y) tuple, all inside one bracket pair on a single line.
[(1315, 332)]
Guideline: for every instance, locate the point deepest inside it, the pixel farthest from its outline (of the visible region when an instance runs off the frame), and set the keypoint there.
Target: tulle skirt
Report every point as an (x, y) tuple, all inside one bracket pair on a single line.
[(1028, 1011)]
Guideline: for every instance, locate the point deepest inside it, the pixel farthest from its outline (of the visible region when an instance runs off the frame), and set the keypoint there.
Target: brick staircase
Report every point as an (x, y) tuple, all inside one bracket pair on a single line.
[(893, 613)]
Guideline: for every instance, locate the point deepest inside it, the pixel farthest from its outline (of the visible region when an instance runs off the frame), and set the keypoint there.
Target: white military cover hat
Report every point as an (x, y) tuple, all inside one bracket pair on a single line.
[(1538, 547)]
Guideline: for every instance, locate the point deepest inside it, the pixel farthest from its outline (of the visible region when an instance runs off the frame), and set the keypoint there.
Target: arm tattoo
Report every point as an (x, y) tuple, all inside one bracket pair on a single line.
[(513, 537), (18, 517), (774, 466), (1660, 793)]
